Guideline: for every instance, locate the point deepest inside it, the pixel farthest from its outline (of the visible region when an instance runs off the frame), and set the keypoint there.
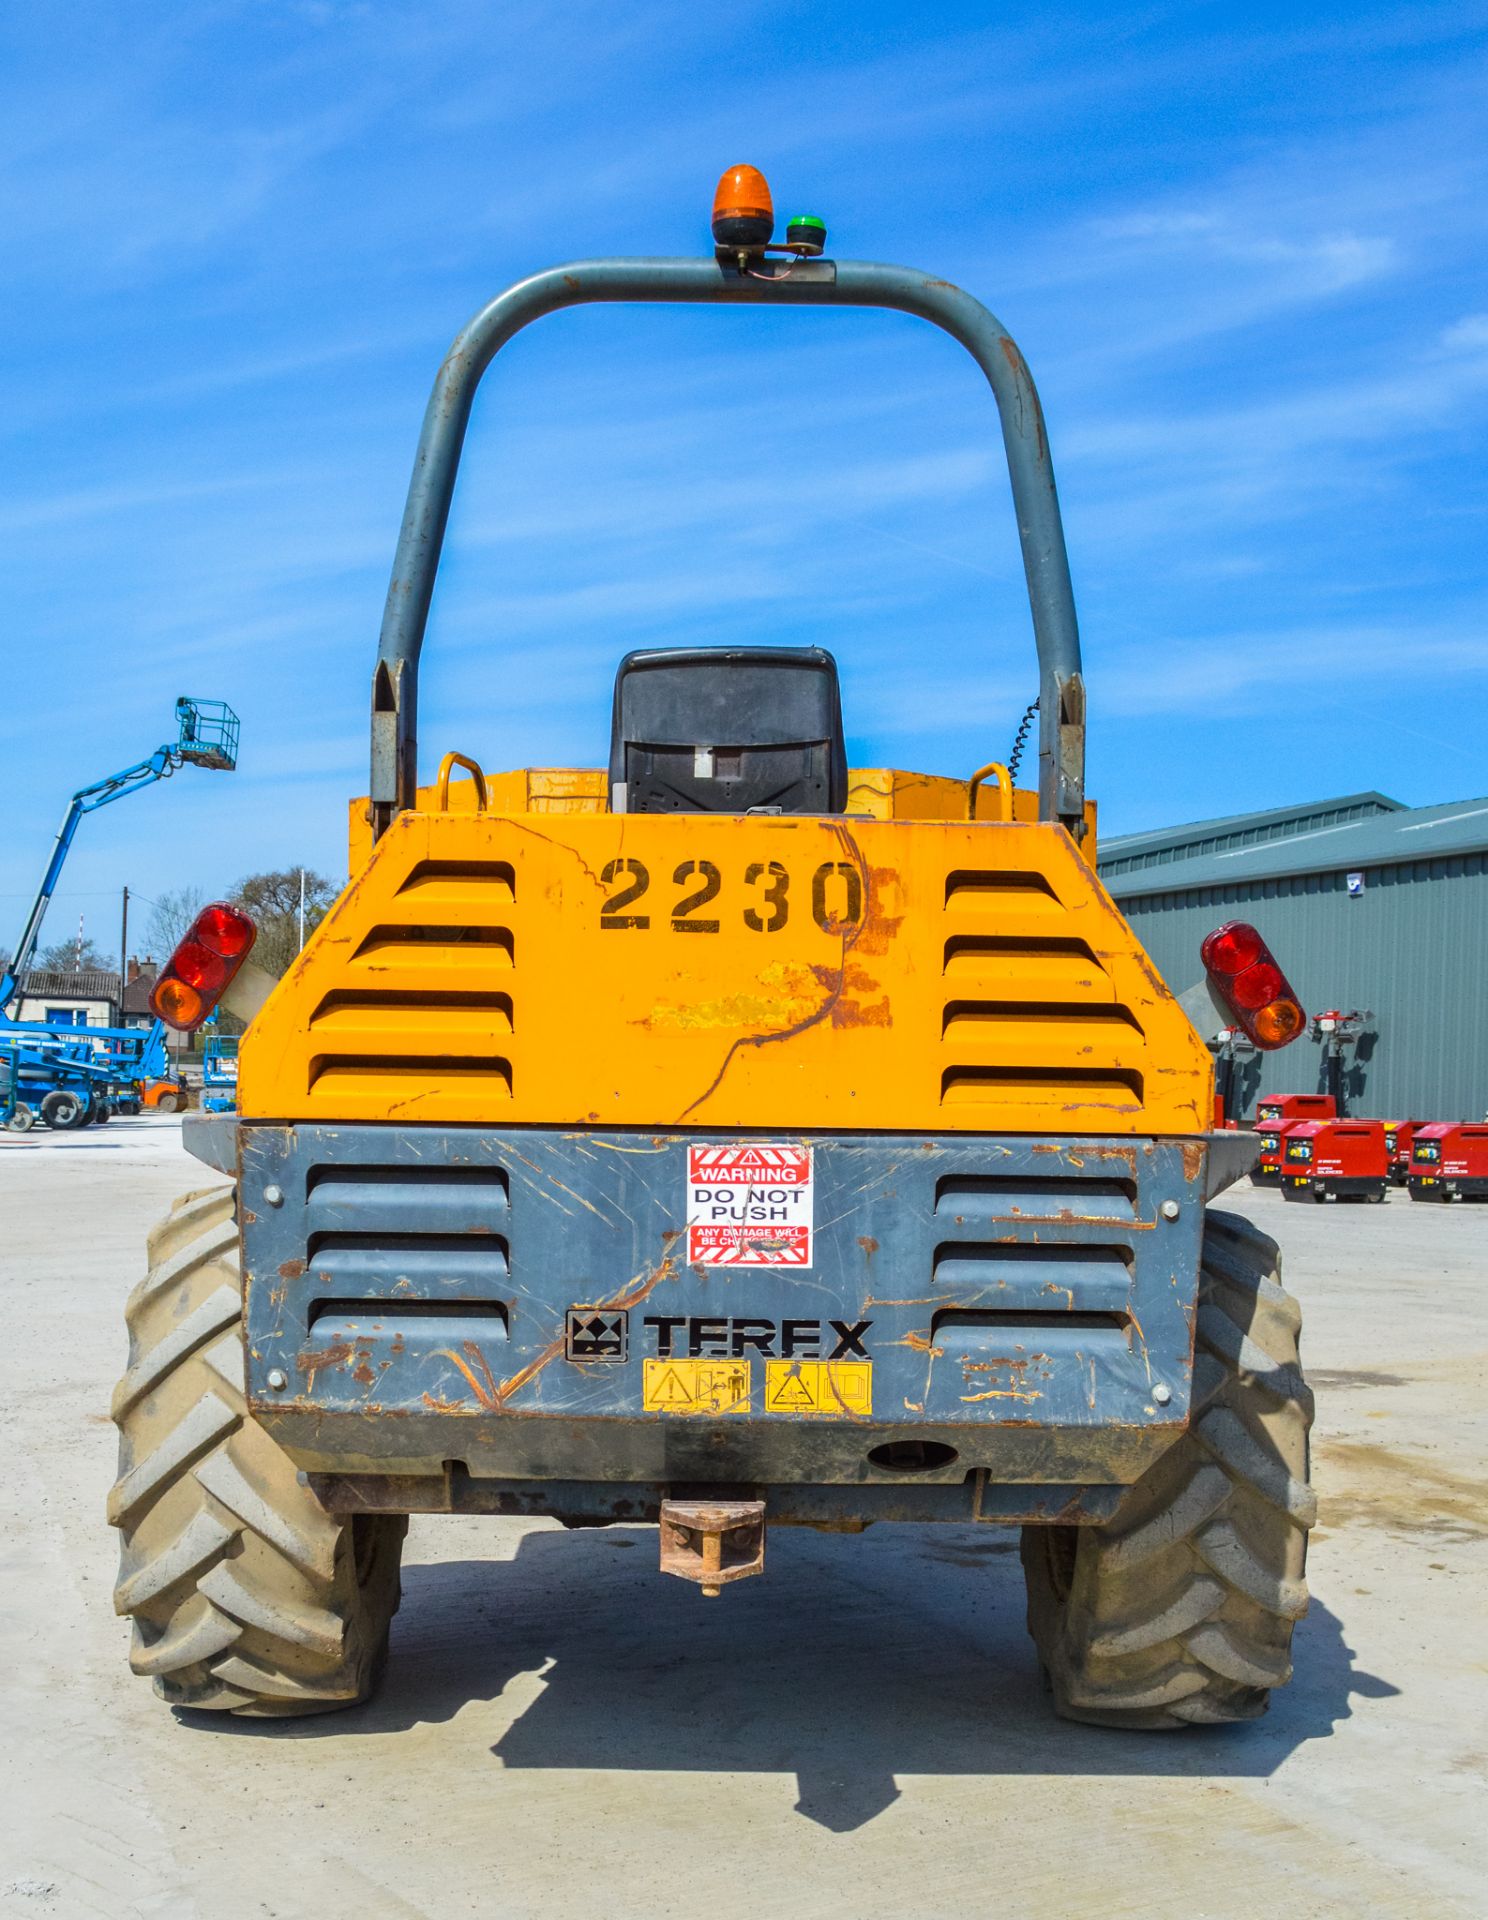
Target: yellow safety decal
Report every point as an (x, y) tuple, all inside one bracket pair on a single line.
[(833, 1387), (695, 1386)]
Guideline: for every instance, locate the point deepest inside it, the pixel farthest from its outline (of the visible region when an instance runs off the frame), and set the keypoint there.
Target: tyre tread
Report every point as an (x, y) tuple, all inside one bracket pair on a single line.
[(1180, 1611), (246, 1596)]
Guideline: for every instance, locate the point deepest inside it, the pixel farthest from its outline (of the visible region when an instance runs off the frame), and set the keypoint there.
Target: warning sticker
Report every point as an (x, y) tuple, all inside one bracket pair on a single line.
[(841, 1387), (695, 1386), (749, 1206)]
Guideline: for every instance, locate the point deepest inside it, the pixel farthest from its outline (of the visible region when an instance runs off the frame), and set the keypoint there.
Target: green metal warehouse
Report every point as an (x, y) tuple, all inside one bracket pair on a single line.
[(1367, 905)]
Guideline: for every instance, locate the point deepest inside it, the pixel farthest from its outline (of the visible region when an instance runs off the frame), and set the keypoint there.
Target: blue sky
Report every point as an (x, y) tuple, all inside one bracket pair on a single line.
[(1243, 250)]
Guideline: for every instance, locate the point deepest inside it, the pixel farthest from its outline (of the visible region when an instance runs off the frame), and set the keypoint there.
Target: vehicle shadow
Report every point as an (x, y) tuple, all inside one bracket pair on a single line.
[(851, 1662)]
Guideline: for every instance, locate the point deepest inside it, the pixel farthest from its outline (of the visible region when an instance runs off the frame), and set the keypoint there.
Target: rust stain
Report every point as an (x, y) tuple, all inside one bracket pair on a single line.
[(836, 975), (292, 1270), (1002, 1393), (484, 1388), (494, 1396), (869, 1245), (850, 1012), (921, 1343), (340, 1353)]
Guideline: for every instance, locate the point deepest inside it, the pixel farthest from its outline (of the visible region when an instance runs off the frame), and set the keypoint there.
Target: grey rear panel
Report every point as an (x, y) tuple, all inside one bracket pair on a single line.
[(1017, 1301)]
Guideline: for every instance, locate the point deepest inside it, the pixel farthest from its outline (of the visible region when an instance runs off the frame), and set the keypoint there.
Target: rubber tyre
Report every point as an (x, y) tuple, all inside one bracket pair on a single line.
[(64, 1110), (22, 1119), (247, 1597), (1180, 1611)]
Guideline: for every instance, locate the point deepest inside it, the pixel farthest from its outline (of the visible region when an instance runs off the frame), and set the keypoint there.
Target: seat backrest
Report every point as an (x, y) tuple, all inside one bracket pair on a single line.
[(728, 730)]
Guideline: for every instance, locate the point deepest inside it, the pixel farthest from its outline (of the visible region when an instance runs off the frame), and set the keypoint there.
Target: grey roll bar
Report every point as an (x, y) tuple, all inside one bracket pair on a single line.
[(800, 283)]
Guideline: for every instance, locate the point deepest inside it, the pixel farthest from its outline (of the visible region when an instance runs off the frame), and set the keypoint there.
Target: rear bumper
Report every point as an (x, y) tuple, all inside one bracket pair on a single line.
[(1010, 1302)]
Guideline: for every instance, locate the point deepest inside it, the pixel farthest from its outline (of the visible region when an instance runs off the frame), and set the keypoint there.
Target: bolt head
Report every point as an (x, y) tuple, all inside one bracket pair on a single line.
[(1170, 1209), (278, 1379), (1161, 1394), (273, 1196)]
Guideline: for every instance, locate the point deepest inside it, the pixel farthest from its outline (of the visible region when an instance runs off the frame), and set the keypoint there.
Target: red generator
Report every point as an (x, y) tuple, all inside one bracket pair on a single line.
[(1398, 1137), (1335, 1159), (1273, 1116), (1449, 1162)]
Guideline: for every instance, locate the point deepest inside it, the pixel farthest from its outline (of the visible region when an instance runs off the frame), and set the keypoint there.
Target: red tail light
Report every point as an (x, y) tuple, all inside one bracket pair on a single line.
[(200, 970), (1247, 979)]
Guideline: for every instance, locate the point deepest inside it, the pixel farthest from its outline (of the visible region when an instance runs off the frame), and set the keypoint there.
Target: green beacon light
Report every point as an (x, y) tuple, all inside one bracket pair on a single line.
[(806, 234)]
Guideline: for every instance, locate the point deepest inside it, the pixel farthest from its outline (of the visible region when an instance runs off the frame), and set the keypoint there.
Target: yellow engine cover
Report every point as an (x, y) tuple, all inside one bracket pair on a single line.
[(590, 969)]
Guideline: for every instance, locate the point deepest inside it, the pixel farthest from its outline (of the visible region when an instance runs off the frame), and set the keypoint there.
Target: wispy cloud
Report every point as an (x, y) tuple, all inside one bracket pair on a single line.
[(1245, 265)]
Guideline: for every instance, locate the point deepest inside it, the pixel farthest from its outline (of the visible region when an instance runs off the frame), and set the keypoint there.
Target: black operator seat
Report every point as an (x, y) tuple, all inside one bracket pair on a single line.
[(728, 730)]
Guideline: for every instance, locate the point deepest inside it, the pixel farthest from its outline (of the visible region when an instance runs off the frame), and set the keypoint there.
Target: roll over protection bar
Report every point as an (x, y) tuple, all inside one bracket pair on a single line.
[(800, 283)]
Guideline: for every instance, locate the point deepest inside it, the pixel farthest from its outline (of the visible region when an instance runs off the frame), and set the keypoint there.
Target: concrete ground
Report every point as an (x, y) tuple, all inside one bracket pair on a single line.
[(860, 1733)]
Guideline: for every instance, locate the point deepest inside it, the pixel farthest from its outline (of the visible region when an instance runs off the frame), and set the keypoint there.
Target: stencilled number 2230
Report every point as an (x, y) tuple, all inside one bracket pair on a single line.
[(835, 894)]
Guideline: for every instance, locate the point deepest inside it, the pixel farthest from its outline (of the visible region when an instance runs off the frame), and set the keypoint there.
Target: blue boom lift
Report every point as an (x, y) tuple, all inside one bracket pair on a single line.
[(71, 1075), (220, 1073)]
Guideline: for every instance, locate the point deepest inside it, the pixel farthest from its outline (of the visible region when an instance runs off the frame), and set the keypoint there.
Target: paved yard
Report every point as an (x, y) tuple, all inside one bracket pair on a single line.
[(860, 1733)]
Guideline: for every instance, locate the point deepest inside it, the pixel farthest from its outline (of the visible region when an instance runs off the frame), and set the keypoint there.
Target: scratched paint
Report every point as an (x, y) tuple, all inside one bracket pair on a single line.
[(1027, 1344), (465, 977)]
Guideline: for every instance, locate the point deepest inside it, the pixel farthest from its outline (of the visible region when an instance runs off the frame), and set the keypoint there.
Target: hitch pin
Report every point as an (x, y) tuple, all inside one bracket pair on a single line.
[(712, 1542)]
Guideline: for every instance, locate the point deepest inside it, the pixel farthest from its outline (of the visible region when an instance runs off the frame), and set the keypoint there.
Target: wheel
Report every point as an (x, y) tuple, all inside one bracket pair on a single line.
[(1180, 1610), (64, 1109), (101, 1113), (22, 1119), (246, 1596), (172, 1103), (1375, 1199), (1320, 1196)]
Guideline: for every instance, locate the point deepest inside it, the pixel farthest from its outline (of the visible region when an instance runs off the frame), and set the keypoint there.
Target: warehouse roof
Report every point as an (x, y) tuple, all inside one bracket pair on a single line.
[(1161, 845), (1384, 837)]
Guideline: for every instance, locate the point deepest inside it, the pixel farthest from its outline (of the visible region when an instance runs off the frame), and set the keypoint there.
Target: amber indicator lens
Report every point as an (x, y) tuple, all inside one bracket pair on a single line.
[(178, 1005), (1279, 1023)]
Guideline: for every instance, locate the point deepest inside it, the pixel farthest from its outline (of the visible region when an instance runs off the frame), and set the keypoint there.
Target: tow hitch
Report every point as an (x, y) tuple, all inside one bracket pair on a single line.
[(712, 1541)]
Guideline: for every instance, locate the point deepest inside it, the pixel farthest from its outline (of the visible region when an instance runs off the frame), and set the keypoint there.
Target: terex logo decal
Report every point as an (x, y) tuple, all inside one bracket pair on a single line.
[(697, 1336)]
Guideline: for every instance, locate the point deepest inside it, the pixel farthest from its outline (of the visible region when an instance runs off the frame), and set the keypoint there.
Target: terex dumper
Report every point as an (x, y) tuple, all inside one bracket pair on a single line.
[(723, 1138)]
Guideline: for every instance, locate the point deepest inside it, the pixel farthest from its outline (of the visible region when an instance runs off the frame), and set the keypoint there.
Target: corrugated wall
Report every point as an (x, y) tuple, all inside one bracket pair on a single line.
[(1411, 949)]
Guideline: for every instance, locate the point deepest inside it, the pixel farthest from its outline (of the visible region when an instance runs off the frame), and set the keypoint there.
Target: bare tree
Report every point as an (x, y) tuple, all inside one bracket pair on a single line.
[(170, 916), (272, 900), (67, 956)]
